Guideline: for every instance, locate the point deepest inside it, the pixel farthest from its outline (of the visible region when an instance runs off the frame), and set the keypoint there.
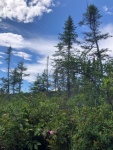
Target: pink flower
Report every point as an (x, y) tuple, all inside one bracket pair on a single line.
[(51, 132)]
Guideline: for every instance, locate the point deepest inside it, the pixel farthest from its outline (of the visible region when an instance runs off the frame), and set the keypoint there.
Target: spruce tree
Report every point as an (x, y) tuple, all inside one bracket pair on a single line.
[(91, 18), (21, 73), (37, 85), (95, 57), (14, 78), (6, 81), (64, 55), (40, 84)]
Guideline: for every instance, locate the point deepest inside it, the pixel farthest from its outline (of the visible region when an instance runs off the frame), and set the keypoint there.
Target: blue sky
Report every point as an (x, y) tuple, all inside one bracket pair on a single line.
[(31, 27)]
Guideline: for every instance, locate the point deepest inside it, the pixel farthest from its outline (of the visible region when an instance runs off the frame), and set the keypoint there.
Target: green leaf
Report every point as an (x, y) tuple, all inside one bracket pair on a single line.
[(36, 146), (30, 146), (37, 132)]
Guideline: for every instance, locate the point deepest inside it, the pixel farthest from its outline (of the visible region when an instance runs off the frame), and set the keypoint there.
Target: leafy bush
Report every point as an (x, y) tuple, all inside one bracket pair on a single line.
[(36, 122)]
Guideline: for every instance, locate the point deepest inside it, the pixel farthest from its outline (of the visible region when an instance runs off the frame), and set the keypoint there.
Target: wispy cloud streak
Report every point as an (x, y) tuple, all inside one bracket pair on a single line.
[(108, 10)]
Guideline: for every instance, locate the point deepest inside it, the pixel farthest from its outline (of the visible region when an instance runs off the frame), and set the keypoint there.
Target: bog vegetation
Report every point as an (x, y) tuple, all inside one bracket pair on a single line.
[(78, 114)]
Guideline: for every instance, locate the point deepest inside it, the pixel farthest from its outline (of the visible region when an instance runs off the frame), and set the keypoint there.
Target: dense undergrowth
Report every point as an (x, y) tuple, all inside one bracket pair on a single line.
[(38, 122)]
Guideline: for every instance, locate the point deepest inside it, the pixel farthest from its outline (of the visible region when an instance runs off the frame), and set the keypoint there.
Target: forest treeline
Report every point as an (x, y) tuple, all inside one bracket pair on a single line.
[(88, 70)]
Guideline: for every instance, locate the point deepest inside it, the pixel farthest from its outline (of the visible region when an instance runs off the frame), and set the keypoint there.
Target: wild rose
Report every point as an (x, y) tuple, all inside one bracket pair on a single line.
[(51, 132)]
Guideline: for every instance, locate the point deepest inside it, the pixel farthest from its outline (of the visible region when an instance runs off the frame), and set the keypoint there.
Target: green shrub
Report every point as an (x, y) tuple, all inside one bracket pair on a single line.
[(36, 122)]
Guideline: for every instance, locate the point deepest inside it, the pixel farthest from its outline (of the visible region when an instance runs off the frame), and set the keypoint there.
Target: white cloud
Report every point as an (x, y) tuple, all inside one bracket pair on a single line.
[(108, 10), (44, 46), (1, 56), (2, 53), (3, 70), (24, 55), (10, 39), (105, 8), (22, 11), (56, 4), (1, 62)]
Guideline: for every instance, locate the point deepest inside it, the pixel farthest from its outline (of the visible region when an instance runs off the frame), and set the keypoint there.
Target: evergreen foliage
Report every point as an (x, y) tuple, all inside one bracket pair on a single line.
[(64, 55)]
